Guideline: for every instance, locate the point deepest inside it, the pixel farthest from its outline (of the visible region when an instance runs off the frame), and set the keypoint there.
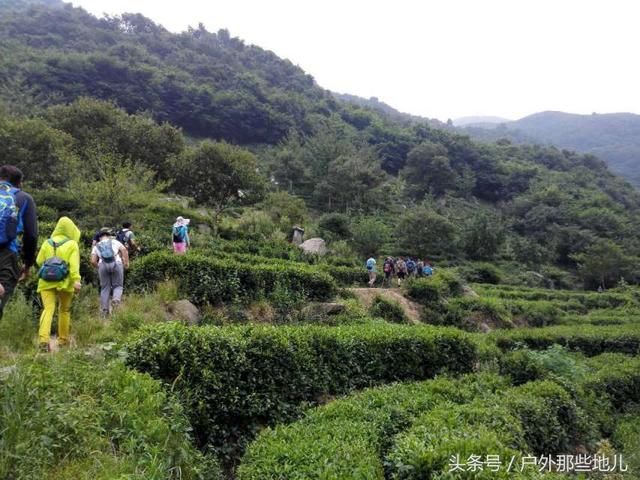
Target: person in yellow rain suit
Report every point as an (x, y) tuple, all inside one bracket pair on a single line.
[(64, 245)]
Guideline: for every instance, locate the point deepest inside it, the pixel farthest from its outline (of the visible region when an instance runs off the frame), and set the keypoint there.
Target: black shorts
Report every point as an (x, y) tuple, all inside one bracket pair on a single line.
[(401, 275), (387, 274)]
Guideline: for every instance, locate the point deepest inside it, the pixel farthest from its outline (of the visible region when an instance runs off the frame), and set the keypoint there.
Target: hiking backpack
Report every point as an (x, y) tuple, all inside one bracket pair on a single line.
[(105, 250), (411, 266), (8, 214), (54, 269), (370, 264), (387, 267), (123, 237), (179, 234)]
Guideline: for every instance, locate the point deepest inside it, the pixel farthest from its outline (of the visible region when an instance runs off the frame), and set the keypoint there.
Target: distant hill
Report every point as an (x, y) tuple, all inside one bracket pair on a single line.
[(614, 137), (482, 120)]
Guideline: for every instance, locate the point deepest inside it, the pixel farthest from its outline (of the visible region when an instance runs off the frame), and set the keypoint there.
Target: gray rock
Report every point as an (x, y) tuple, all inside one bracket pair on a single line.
[(484, 327), (204, 229), (319, 310), (184, 311), (315, 246), (467, 291)]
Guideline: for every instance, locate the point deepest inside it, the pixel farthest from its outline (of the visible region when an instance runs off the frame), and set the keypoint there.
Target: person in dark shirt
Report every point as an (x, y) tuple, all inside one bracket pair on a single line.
[(10, 271)]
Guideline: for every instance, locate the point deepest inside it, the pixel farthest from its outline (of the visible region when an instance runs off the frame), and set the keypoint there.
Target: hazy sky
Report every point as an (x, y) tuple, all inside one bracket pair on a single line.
[(443, 59)]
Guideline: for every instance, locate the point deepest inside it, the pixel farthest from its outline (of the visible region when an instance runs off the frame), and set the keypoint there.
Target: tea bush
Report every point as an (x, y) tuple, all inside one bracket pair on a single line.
[(538, 418), (588, 339), (389, 310), (434, 289), (67, 418), (218, 281), (344, 439), (234, 380), (411, 430)]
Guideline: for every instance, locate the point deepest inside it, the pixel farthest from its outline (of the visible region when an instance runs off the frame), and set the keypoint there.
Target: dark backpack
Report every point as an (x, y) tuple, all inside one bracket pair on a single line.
[(387, 267), (411, 266), (105, 249), (54, 269), (179, 234), (8, 214), (123, 237)]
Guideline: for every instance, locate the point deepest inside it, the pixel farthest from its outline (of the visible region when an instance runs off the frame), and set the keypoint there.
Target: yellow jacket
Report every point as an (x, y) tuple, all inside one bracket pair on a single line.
[(69, 252)]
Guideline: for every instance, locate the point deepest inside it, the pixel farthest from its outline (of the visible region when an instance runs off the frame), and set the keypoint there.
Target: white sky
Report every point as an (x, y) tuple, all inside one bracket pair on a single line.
[(443, 59)]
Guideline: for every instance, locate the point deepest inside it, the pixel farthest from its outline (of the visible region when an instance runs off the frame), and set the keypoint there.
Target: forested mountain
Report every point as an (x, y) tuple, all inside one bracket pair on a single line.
[(614, 137), (381, 183)]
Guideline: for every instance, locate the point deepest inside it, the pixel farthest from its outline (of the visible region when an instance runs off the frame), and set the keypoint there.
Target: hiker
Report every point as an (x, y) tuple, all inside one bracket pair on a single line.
[(401, 270), (411, 267), (17, 216), (371, 268), (420, 268), (127, 238), (59, 278), (427, 270), (111, 258), (181, 239), (389, 269)]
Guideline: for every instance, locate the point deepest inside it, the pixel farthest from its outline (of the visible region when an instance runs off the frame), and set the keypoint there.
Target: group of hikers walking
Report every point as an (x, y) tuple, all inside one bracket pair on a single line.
[(399, 268), (58, 259)]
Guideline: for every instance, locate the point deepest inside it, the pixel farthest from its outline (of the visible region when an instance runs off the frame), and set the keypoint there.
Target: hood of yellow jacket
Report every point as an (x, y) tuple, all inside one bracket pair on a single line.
[(66, 228)]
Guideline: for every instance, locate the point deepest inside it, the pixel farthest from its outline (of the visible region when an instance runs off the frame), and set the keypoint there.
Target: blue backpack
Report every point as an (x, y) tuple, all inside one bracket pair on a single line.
[(105, 249), (411, 266), (179, 234), (370, 264), (54, 268), (9, 218), (427, 270)]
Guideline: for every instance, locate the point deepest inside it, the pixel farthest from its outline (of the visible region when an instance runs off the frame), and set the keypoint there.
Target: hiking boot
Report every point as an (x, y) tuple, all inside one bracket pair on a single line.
[(44, 347)]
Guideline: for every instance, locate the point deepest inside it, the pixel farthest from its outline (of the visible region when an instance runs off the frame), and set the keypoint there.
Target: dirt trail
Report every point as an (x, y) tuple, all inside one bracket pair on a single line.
[(367, 295)]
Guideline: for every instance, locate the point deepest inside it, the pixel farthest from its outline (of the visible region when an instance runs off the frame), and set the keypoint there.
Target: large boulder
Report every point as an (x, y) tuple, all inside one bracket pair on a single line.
[(315, 246), (184, 311)]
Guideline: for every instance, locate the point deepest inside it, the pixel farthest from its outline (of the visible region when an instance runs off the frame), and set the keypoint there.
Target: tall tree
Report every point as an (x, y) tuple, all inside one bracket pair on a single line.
[(219, 175)]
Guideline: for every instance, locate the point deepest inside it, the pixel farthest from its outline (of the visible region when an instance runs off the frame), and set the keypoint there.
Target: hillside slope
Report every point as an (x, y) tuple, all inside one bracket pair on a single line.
[(614, 137)]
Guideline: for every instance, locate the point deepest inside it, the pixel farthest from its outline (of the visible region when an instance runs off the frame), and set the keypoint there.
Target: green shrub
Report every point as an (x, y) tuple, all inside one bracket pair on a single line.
[(218, 281), (521, 366), (588, 339), (588, 300), (535, 313), (539, 418), (469, 313), (434, 289), (65, 417), (344, 439), (481, 273), (412, 430), (389, 310), (616, 378), (235, 380), (627, 439), (555, 362), (480, 428)]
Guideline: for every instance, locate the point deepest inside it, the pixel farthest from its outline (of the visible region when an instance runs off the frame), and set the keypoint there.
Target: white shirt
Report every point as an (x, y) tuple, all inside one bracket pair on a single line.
[(115, 245)]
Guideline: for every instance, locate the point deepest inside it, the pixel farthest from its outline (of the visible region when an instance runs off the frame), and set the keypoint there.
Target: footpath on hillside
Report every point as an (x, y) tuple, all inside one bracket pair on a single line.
[(366, 296)]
